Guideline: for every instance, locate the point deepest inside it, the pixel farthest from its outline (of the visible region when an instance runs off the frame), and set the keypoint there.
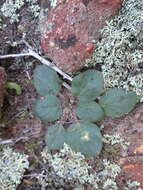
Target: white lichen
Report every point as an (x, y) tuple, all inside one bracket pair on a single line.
[(133, 185), (120, 51), (68, 167), (53, 3), (10, 8), (115, 139), (12, 168)]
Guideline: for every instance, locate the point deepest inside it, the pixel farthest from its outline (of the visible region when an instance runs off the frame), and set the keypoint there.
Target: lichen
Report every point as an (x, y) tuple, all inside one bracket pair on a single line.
[(133, 185), (12, 168), (120, 52), (10, 9), (53, 3), (67, 168), (73, 170), (116, 139)]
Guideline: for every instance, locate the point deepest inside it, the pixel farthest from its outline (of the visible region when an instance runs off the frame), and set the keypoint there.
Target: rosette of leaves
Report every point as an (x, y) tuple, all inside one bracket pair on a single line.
[(93, 103)]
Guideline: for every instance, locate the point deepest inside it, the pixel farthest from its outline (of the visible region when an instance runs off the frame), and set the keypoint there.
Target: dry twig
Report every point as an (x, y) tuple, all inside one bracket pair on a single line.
[(32, 53), (11, 141)]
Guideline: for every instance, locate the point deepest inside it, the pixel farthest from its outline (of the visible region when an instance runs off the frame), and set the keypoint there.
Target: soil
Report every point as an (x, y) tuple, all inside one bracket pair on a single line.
[(19, 121)]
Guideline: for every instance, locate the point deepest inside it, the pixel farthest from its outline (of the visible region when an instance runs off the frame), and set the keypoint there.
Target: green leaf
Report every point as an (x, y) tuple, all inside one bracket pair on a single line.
[(89, 111), (88, 85), (46, 80), (55, 137), (85, 138), (117, 102), (48, 109), (15, 86)]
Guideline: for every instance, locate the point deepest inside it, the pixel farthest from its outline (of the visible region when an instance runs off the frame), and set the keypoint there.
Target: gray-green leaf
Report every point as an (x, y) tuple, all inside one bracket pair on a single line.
[(89, 111), (48, 109), (117, 102), (46, 80), (85, 137), (88, 85), (55, 137)]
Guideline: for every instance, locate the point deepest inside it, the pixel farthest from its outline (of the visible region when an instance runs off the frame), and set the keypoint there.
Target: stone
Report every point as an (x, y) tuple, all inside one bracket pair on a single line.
[(70, 29), (133, 168), (2, 86)]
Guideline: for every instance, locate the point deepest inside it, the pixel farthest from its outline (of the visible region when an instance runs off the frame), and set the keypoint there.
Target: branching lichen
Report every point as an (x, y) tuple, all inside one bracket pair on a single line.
[(133, 185), (12, 168), (10, 8), (116, 139), (69, 169), (120, 52), (66, 167), (53, 3)]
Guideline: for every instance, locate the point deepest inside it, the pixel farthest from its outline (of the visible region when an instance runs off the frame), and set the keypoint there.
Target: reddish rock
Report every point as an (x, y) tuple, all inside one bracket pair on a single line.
[(2, 86), (71, 27), (133, 168), (132, 163)]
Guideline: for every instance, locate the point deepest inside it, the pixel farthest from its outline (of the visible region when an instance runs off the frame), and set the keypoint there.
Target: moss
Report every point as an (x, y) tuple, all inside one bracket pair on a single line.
[(120, 51)]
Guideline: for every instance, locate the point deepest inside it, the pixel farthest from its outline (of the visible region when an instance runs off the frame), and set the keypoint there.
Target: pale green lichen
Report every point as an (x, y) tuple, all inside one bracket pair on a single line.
[(53, 3), (12, 168), (120, 51), (10, 8), (69, 168), (115, 139), (133, 185)]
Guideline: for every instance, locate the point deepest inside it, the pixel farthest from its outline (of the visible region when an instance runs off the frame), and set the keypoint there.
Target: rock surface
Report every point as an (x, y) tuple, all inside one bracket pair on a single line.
[(71, 27), (130, 128), (2, 86)]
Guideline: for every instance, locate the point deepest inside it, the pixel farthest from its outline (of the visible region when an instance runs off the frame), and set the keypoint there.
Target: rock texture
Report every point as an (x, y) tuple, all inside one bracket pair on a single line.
[(132, 161), (130, 128), (2, 86), (71, 27)]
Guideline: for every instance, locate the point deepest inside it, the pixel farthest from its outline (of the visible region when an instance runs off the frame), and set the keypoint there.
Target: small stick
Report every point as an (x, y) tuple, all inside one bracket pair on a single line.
[(39, 161), (67, 86), (14, 55), (48, 63), (32, 175), (44, 61), (37, 56), (11, 141)]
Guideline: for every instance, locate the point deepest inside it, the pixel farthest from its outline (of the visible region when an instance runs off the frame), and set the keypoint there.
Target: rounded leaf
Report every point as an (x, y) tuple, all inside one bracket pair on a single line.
[(46, 80), (48, 109), (85, 137), (88, 85), (89, 111), (117, 102), (55, 137)]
